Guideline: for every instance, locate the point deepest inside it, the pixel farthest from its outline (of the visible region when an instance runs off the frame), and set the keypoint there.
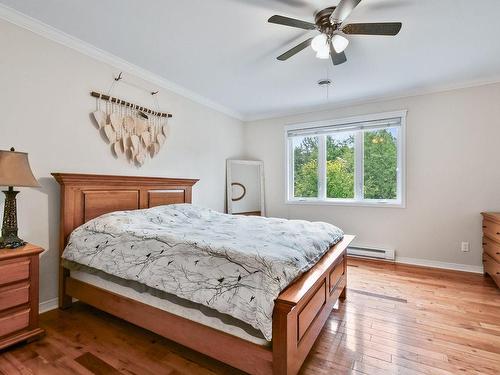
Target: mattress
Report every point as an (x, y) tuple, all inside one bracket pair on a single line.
[(189, 310)]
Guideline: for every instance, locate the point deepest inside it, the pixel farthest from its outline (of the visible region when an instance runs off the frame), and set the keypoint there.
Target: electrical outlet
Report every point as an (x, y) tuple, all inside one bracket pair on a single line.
[(465, 247)]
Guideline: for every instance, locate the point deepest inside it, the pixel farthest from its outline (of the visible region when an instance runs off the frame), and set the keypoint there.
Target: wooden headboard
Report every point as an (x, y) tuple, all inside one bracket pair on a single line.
[(86, 196)]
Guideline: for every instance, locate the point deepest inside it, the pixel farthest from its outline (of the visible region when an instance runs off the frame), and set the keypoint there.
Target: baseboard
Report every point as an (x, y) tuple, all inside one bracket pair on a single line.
[(442, 265), (426, 263), (51, 304)]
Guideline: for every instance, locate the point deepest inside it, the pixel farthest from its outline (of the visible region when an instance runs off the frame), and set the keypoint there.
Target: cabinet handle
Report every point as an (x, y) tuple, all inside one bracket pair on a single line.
[(498, 233), (484, 244), (484, 226)]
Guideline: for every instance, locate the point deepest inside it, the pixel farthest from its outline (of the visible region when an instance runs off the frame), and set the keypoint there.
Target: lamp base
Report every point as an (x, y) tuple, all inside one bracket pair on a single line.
[(11, 243), (9, 237)]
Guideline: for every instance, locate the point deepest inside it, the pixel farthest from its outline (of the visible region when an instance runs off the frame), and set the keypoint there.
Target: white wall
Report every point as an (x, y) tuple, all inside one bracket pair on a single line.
[(45, 108), (453, 173)]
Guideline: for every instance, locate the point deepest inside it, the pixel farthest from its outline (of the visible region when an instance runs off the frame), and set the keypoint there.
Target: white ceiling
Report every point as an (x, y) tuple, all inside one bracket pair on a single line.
[(225, 51)]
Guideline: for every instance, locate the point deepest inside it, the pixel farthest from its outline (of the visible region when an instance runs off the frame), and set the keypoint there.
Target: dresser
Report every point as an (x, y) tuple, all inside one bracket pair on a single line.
[(491, 245), (19, 294)]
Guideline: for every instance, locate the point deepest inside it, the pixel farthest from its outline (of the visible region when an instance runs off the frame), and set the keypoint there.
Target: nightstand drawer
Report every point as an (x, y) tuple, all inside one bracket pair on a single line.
[(492, 248), (491, 267), (491, 229), (14, 271), (14, 296), (14, 322)]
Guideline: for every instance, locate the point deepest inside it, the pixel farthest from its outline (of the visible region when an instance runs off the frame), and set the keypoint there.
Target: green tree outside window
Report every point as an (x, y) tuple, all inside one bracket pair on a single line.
[(380, 163)]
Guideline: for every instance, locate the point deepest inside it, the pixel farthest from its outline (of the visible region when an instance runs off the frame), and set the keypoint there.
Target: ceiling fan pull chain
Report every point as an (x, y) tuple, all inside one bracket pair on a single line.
[(328, 86)]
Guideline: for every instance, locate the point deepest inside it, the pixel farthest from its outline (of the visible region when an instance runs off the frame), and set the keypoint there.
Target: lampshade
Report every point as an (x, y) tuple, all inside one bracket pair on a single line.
[(319, 42), (15, 169), (323, 54), (339, 43)]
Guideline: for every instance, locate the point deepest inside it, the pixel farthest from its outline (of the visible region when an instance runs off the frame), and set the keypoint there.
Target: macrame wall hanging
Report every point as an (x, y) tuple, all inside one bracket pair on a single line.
[(133, 132)]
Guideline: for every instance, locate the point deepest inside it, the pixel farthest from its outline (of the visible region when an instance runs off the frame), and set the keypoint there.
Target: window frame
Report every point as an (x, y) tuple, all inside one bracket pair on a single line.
[(399, 202)]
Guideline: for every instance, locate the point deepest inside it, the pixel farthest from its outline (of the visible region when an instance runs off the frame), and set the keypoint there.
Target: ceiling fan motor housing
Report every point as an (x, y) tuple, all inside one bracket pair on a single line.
[(322, 20)]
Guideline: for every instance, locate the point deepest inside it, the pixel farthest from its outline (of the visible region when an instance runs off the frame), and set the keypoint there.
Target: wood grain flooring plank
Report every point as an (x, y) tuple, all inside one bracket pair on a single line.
[(371, 294), (96, 365)]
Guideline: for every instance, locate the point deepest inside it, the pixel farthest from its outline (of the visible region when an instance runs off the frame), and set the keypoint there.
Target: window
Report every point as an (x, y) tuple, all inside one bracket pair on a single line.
[(358, 161)]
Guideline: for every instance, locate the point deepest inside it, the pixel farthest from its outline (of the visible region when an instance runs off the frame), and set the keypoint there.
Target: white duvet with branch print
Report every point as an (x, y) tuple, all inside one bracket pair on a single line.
[(236, 265)]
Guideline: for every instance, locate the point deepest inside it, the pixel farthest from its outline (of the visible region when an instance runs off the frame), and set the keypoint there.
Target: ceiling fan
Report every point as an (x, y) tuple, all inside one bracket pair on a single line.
[(331, 43)]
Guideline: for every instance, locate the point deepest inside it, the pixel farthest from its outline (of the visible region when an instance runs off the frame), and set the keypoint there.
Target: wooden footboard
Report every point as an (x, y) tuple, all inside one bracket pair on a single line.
[(299, 315), (301, 310)]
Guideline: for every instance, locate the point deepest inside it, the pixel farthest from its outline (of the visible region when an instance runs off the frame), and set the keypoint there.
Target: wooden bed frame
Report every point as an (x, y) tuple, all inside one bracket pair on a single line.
[(299, 314)]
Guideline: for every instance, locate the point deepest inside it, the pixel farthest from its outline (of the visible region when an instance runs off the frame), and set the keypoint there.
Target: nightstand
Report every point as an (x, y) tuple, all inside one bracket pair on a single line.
[(19, 294)]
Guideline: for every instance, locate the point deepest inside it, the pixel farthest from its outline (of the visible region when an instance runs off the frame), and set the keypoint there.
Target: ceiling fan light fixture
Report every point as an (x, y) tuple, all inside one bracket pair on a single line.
[(323, 54), (339, 43), (332, 38), (319, 43)]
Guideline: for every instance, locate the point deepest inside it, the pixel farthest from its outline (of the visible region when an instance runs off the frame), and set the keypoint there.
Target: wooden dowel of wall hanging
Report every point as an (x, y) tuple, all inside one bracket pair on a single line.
[(125, 103)]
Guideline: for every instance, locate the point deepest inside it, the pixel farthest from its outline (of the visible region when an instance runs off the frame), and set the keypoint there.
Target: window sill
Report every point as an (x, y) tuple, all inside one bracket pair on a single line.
[(351, 203)]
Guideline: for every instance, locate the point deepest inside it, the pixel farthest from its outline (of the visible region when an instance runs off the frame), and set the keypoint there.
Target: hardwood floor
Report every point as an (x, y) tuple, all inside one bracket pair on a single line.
[(396, 320)]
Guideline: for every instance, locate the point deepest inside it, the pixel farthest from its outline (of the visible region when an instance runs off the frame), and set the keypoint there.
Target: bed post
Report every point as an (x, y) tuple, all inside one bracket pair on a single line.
[(65, 301), (343, 294), (284, 327)]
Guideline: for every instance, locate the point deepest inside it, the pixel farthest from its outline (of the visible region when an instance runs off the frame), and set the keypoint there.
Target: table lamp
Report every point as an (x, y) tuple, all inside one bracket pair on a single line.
[(14, 171)]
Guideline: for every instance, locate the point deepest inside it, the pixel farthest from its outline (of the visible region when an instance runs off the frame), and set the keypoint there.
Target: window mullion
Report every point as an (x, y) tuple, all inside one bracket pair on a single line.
[(358, 168), (322, 167)]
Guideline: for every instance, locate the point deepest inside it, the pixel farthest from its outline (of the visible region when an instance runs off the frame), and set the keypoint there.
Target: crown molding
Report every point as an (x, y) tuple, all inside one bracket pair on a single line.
[(22, 20), (371, 100), (38, 27)]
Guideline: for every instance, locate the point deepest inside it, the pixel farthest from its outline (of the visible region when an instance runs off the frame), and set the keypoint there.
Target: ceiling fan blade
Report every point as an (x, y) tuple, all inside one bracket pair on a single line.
[(292, 22), (384, 28), (343, 10), (337, 58), (295, 50)]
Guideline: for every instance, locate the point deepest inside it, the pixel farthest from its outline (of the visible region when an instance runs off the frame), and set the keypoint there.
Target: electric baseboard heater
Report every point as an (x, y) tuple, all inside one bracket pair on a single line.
[(371, 252)]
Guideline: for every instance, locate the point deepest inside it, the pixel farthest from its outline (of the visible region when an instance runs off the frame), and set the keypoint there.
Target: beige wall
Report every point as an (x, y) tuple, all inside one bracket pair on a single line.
[(453, 174), (45, 107)]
